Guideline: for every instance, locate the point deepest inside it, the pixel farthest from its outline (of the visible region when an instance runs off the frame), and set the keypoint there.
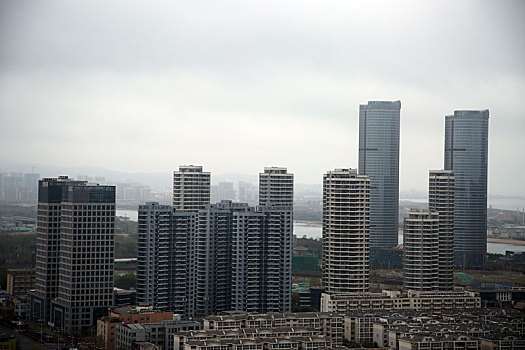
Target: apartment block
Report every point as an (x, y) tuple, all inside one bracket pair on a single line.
[(191, 188), (346, 213), (421, 251), (441, 191), (276, 187)]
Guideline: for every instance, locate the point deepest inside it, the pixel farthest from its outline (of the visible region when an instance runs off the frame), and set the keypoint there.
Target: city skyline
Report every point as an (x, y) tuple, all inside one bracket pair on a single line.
[(139, 96)]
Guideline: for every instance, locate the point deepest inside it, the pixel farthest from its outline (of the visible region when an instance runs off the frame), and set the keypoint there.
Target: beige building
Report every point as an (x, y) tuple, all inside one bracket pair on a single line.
[(191, 188), (394, 300), (346, 216)]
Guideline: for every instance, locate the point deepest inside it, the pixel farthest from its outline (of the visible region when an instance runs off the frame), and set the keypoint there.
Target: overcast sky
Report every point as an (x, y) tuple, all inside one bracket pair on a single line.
[(239, 85)]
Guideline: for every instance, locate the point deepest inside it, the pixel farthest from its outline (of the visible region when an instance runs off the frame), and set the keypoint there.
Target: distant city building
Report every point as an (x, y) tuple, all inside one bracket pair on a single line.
[(379, 159), (466, 153), (346, 210), (18, 186), (276, 187), (191, 188), (20, 281), (226, 191), (248, 193), (421, 251), (75, 253), (441, 191)]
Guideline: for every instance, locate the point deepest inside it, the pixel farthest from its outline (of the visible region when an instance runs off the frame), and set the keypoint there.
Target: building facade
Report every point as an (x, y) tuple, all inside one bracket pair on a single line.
[(395, 300), (466, 153), (346, 211), (75, 253), (153, 254), (166, 258), (379, 159), (421, 251), (441, 201), (243, 258), (191, 188)]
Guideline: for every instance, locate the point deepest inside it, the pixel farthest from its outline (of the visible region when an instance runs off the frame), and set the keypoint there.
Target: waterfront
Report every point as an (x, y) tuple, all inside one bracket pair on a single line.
[(315, 231)]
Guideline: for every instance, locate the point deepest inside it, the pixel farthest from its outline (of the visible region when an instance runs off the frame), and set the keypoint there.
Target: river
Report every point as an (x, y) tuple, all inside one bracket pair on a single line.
[(314, 231)]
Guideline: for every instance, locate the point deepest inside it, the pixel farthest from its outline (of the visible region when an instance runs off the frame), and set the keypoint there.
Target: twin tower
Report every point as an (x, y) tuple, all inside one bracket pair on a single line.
[(465, 162), (197, 258)]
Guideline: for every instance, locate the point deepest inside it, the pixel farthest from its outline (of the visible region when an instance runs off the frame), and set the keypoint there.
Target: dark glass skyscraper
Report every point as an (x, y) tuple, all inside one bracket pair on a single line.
[(379, 159), (466, 152)]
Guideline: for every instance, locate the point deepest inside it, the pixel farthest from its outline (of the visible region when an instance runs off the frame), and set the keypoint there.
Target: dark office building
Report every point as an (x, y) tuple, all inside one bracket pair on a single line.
[(379, 159), (74, 254), (466, 153)]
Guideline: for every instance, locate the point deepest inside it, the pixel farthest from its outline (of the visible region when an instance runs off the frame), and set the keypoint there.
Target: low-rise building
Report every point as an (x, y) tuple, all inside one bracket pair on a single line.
[(395, 300), (106, 326), (299, 343), (128, 335), (326, 323), (450, 329), (181, 339), (20, 281)]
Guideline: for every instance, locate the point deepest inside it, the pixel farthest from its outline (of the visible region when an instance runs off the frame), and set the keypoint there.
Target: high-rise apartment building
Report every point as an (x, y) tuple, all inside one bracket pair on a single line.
[(166, 258), (243, 258), (275, 187), (466, 153), (421, 251), (74, 254), (379, 159), (346, 214), (191, 188), (441, 201), (153, 254), (227, 256)]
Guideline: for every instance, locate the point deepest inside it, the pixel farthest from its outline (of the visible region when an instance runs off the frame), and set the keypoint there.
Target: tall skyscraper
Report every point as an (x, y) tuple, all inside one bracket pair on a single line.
[(74, 254), (421, 251), (346, 214), (441, 201), (379, 159), (191, 188), (275, 187), (466, 153)]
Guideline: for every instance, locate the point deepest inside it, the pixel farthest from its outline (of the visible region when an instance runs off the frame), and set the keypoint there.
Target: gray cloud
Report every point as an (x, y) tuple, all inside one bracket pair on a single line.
[(239, 85)]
